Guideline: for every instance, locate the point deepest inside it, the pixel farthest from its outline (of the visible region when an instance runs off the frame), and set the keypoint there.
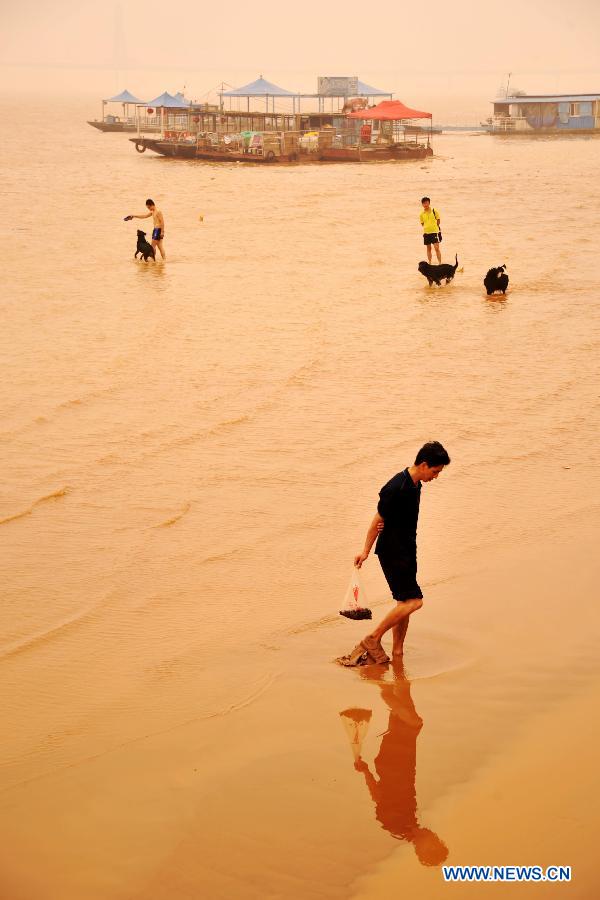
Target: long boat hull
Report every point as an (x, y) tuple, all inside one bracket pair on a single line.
[(375, 154), (120, 126), (331, 154), (417, 129), (543, 132)]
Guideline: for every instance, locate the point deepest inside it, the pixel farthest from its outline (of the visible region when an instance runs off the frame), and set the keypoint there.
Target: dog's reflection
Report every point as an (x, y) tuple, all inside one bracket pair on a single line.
[(393, 789)]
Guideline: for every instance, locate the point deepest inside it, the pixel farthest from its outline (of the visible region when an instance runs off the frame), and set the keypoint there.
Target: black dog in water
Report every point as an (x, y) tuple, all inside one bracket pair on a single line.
[(144, 247), (436, 273), (496, 280)]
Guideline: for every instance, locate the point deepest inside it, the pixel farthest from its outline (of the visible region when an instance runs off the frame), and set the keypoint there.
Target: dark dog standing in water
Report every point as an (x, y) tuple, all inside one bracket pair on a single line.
[(144, 247), (437, 273), (496, 280)]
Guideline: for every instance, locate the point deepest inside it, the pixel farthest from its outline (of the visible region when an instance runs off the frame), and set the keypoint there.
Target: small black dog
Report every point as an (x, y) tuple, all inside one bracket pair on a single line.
[(496, 280), (144, 247), (436, 273)]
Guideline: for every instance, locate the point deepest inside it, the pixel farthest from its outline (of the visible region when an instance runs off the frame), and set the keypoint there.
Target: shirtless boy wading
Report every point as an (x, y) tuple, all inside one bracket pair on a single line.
[(396, 525), (158, 232)]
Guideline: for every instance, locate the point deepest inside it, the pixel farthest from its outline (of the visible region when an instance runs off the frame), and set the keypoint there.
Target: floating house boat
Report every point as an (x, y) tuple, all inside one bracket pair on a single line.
[(136, 115), (524, 114), (122, 113), (349, 131)]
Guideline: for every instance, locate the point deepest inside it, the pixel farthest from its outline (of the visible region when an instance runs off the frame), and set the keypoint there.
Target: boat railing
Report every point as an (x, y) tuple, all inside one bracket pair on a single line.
[(147, 122), (503, 123)]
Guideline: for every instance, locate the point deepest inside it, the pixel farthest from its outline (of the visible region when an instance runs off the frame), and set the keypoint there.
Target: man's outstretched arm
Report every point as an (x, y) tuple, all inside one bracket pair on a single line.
[(374, 528), (144, 216)]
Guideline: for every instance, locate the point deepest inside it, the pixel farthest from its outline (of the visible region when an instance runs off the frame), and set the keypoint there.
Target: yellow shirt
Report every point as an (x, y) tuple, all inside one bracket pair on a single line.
[(428, 220)]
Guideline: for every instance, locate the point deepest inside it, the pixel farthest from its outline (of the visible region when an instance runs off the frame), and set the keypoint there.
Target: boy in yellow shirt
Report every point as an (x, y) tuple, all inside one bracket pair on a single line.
[(430, 220)]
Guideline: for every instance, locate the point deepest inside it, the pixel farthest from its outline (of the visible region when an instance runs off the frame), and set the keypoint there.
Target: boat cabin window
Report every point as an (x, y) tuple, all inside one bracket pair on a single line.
[(583, 108)]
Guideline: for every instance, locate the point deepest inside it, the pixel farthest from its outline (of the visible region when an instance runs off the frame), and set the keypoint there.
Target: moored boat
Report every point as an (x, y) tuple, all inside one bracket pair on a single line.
[(112, 123), (545, 114), (280, 148), (351, 134), (421, 129), (126, 113)]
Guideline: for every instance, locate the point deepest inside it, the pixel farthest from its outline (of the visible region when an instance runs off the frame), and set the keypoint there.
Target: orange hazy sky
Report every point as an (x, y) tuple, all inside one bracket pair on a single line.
[(418, 50)]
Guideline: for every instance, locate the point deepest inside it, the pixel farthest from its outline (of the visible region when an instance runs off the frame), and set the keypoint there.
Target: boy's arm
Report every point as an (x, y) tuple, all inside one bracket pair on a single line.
[(374, 528), (145, 216)]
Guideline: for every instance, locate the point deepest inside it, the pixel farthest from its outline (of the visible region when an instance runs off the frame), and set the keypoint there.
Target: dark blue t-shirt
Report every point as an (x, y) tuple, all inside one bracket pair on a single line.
[(399, 508)]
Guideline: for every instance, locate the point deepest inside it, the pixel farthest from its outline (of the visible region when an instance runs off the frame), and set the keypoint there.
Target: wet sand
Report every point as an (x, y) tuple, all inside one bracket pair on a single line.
[(492, 741), (534, 806), (192, 454)]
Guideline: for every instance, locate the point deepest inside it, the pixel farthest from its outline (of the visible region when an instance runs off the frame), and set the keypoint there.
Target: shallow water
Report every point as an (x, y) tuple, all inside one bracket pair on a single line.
[(192, 451)]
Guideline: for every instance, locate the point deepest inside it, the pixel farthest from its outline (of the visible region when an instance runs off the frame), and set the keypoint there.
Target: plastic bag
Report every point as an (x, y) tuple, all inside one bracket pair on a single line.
[(355, 602), (356, 725)]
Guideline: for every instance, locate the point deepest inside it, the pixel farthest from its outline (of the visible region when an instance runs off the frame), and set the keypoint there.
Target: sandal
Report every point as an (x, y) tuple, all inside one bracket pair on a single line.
[(375, 650), (357, 657)]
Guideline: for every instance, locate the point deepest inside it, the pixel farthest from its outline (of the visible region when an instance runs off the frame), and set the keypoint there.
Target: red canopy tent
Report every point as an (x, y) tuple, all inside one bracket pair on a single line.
[(389, 110)]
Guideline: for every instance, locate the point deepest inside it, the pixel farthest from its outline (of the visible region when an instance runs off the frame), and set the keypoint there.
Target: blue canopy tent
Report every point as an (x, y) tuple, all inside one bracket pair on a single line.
[(167, 101), (124, 97), (263, 88), (260, 88), (365, 90), (160, 107)]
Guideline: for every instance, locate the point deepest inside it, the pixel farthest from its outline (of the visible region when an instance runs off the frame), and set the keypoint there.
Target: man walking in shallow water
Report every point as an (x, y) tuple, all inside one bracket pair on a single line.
[(396, 525), (158, 231)]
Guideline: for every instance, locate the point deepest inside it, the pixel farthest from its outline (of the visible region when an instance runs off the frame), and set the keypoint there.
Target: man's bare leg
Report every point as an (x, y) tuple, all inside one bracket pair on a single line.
[(398, 636), (438, 252), (429, 253), (159, 244), (395, 617)]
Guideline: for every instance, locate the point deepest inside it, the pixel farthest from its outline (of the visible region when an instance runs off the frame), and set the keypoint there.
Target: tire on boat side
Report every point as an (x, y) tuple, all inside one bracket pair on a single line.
[(138, 145)]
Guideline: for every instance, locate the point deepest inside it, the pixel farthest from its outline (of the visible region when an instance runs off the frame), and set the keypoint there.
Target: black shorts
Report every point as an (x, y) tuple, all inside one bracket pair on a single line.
[(431, 238), (401, 575), (157, 234)]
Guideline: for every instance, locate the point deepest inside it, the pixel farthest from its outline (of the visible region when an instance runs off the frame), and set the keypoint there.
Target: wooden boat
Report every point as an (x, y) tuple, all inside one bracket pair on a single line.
[(420, 129), (293, 153), (116, 125), (218, 135), (129, 118), (187, 150), (376, 153)]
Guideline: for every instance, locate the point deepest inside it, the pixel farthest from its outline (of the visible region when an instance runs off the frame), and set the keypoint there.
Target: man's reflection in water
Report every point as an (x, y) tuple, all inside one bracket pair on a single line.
[(393, 790)]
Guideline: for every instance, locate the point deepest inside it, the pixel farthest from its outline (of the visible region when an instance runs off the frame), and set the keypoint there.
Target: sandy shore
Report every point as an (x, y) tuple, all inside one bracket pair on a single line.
[(537, 805), (483, 753)]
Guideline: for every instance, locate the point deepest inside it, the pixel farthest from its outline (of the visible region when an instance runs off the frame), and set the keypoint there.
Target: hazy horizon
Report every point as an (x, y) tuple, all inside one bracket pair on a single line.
[(450, 54)]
